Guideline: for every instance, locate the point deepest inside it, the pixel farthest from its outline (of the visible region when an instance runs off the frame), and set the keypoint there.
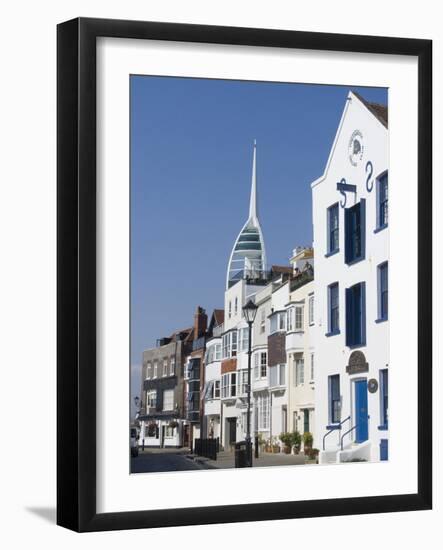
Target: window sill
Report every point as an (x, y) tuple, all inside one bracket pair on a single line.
[(332, 253), (378, 229), (333, 427), (355, 261), (383, 427), (381, 320), (329, 334), (356, 346)]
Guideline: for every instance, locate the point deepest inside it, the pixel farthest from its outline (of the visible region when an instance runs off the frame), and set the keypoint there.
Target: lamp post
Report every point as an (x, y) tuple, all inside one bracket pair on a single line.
[(249, 311)]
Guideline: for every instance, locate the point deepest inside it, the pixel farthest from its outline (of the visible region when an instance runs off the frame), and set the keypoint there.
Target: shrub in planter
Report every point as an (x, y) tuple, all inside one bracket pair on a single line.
[(296, 441), (313, 454), (286, 439), (275, 445), (307, 442), (173, 424)]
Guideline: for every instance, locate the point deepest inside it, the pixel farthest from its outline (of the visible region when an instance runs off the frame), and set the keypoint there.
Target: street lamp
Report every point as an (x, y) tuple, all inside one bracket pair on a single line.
[(249, 311)]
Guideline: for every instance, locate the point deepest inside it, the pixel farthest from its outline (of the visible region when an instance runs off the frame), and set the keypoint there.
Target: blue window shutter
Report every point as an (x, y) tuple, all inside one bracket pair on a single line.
[(363, 313), (378, 200), (363, 227), (329, 309), (328, 230), (349, 320), (348, 229)]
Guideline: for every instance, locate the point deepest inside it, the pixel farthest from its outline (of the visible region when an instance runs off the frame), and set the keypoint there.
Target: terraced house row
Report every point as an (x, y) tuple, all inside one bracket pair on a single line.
[(320, 356)]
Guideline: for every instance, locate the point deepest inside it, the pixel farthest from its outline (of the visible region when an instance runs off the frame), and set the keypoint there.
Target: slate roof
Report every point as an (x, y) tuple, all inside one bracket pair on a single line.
[(377, 109)]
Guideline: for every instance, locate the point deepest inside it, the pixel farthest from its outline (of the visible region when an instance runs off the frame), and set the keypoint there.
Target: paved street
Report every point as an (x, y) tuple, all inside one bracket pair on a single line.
[(170, 460), (227, 460), (166, 461)]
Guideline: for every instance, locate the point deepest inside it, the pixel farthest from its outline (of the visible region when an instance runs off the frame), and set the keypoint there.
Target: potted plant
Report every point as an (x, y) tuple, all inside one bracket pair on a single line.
[(296, 441), (173, 424), (261, 441), (286, 439), (275, 445), (268, 446), (307, 442), (313, 454)]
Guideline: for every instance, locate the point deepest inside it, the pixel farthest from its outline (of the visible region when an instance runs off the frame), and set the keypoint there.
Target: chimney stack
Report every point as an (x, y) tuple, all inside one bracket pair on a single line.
[(200, 322)]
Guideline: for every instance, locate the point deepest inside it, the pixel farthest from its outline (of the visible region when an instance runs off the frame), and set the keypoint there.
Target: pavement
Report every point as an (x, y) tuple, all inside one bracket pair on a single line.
[(226, 459), (173, 460)]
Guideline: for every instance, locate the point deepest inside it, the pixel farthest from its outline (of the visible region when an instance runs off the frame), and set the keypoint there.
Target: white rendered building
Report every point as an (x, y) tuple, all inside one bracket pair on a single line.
[(300, 344), (212, 377), (351, 243)]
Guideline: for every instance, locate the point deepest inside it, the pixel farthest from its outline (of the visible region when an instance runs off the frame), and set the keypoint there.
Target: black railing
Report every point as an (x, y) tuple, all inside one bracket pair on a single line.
[(334, 429), (345, 434), (207, 447), (300, 280)]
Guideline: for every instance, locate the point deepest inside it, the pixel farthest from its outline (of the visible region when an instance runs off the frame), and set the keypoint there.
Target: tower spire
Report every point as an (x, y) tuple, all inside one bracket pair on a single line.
[(253, 199)]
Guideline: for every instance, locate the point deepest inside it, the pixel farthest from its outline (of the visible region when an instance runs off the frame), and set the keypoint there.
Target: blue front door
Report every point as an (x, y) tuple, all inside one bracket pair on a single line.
[(361, 411)]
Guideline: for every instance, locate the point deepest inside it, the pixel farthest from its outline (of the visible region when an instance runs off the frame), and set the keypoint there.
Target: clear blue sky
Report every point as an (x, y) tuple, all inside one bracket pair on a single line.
[(191, 155)]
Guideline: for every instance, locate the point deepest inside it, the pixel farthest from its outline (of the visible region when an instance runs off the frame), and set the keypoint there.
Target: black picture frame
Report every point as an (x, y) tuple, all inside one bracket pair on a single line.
[(76, 265)]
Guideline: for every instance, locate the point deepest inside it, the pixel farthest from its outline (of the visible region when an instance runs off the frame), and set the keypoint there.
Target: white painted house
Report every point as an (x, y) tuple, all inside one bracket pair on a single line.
[(212, 378), (300, 344), (351, 243)]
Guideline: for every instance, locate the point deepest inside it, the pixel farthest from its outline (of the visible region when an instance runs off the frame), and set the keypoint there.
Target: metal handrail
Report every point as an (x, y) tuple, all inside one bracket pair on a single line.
[(338, 427), (345, 434)]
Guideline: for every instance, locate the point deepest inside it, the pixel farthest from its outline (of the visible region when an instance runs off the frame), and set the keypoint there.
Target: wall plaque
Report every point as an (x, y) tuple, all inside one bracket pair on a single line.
[(357, 363)]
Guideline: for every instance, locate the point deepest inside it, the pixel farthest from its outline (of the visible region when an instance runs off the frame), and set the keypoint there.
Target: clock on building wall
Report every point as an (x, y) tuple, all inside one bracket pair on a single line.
[(355, 147)]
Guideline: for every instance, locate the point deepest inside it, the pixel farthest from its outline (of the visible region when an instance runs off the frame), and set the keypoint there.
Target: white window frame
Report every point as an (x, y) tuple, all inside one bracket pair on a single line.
[(148, 371), (155, 369), (242, 382), (165, 367), (275, 375), (230, 344), (278, 322), (263, 321), (151, 398), (312, 366), (172, 366), (243, 339), (290, 319), (263, 364), (311, 309), (263, 412), (228, 386), (169, 431), (217, 352), (165, 402), (299, 367), (298, 318)]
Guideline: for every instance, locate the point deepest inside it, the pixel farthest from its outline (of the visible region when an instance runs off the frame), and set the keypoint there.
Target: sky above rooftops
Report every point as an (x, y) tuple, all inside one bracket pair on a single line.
[(191, 161)]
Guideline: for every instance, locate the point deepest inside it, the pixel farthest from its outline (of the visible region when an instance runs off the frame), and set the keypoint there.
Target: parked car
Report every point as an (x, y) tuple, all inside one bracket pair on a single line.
[(133, 441)]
